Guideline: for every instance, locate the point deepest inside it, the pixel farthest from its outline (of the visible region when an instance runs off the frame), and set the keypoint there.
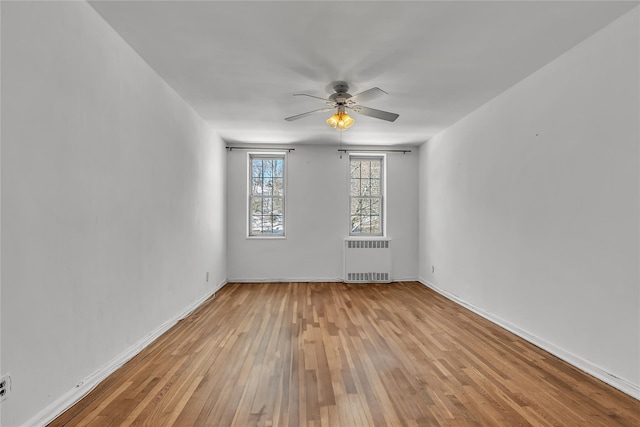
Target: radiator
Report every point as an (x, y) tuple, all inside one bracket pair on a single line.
[(367, 260)]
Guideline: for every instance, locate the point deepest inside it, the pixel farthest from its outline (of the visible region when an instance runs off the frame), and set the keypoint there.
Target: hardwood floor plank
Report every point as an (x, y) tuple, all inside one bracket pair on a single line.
[(335, 354)]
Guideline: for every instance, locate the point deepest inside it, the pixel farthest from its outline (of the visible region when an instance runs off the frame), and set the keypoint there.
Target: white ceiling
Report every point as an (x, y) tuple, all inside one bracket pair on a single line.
[(239, 63)]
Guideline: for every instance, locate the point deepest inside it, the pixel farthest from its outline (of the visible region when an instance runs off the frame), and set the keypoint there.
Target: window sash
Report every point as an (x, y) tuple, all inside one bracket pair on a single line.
[(366, 195), (266, 204)]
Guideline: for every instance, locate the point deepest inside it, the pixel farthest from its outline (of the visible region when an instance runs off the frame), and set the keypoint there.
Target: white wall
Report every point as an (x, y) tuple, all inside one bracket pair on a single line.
[(529, 206), (113, 195), (317, 218)]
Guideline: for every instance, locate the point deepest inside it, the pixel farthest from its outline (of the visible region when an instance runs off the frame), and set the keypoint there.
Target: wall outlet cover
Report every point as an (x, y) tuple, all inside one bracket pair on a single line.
[(5, 386)]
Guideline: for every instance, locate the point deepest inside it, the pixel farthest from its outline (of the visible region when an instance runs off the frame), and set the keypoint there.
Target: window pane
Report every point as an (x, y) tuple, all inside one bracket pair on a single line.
[(375, 207), (365, 187), (375, 224), (256, 206), (256, 168), (267, 186), (355, 206), (267, 168), (365, 207), (355, 224), (278, 186), (375, 168), (278, 226), (355, 169), (366, 168), (267, 224), (278, 206), (375, 187), (256, 224), (267, 205), (355, 187), (279, 168), (256, 187)]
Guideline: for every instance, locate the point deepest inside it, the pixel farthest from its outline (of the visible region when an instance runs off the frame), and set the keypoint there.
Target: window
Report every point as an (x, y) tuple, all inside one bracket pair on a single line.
[(366, 196), (266, 194)]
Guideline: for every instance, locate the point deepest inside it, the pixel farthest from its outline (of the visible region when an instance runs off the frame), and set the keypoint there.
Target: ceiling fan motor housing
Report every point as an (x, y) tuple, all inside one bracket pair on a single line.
[(341, 96)]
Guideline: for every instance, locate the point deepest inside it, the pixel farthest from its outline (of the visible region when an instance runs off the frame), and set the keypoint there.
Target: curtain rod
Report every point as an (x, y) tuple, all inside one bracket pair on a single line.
[(230, 148), (345, 150)]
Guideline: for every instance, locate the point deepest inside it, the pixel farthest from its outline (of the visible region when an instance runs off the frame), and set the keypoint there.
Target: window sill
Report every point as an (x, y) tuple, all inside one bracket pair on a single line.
[(266, 237)]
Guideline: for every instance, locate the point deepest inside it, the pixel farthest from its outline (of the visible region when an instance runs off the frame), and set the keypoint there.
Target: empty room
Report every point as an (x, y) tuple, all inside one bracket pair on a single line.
[(320, 213)]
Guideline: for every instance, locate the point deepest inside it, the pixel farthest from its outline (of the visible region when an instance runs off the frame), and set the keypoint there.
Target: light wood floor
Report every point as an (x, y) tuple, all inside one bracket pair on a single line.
[(331, 354)]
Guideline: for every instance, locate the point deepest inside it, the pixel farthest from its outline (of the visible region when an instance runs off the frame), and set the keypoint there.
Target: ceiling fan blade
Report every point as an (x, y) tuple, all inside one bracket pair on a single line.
[(367, 95), (372, 112), (308, 113), (312, 96)]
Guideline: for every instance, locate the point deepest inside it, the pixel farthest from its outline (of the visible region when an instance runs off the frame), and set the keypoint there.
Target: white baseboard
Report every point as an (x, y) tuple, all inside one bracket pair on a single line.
[(590, 368), (301, 280), (85, 386), (283, 280), (404, 279)]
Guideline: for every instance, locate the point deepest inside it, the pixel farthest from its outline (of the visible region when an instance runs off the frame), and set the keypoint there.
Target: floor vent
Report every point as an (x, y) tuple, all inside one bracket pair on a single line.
[(367, 260)]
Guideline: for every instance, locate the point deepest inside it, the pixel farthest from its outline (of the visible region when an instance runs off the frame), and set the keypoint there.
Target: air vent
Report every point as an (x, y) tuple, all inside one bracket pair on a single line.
[(367, 244)]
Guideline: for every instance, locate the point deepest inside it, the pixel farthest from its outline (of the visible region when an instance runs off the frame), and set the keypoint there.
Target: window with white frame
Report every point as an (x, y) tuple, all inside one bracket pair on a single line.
[(366, 199), (266, 194)]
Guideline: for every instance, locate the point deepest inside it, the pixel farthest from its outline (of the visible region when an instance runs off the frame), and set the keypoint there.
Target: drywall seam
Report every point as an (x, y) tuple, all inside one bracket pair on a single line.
[(84, 387), (586, 366)]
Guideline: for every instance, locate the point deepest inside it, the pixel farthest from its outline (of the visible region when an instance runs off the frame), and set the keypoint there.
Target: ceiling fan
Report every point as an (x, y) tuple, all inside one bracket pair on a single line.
[(342, 100)]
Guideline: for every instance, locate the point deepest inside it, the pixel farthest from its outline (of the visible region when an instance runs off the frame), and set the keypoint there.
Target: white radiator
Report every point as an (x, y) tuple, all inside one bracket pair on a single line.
[(367, 260)]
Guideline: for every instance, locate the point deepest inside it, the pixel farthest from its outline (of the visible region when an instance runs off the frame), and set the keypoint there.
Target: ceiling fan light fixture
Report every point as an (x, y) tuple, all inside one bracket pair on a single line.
[(340, 121)]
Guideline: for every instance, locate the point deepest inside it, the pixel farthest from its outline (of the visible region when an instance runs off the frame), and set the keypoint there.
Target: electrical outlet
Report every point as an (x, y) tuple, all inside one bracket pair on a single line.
[(5, 386)]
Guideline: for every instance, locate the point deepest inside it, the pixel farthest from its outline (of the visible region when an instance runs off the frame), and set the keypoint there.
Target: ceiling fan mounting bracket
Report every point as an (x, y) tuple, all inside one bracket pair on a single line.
[(341, 87)]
